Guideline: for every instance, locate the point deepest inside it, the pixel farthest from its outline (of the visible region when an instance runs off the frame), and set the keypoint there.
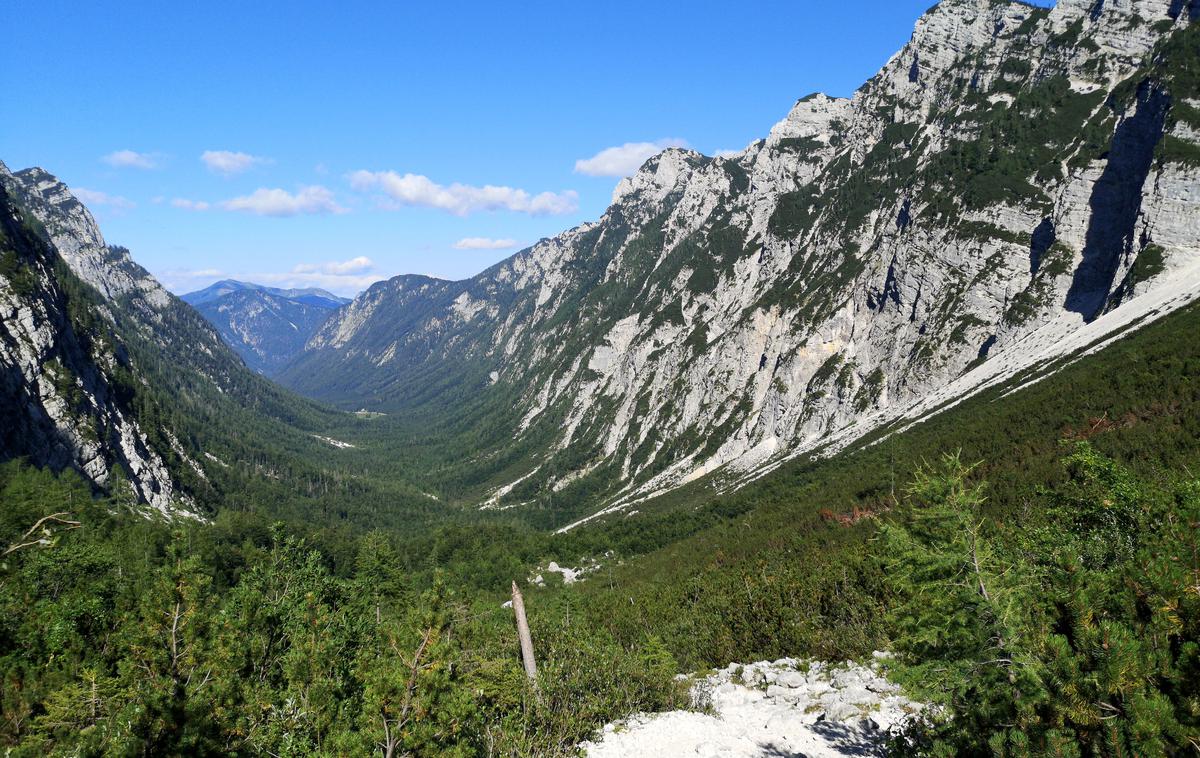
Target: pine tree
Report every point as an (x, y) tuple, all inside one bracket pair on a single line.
[(1076, 635), (378, 577), (413, 702), (962, 614), (165, 676)]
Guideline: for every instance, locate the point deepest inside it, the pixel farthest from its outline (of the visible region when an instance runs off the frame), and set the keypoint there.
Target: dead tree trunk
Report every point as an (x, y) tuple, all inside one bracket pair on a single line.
[(518, 603)]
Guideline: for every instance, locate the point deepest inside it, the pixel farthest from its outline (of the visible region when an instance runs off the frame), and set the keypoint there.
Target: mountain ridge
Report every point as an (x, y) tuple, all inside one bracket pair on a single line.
[(150, 385), (1011, 164), (266, 326), (69, 391), (227, 286)]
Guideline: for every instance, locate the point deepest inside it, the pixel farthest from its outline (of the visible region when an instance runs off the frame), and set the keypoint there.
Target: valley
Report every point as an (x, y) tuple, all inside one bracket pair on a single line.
[(728, 312), (911, 381)]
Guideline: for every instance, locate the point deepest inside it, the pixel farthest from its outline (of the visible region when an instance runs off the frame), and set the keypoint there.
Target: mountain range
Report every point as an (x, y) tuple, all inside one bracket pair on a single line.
[(1015, 184), (910, 381), (108, 374), (266, 326)]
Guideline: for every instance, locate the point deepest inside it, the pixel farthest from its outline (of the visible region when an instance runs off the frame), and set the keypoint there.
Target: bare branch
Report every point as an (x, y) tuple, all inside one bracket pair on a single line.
[(44, 525)]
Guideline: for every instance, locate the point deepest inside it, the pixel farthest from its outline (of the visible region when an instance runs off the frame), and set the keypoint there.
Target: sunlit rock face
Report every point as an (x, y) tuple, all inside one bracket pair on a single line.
[(83, 358), (1013, 177), (65, 393), (75, 235)]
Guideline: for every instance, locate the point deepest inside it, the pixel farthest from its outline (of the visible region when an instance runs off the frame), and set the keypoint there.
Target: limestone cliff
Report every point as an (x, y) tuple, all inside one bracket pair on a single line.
[(1015, 184), (68, 392)]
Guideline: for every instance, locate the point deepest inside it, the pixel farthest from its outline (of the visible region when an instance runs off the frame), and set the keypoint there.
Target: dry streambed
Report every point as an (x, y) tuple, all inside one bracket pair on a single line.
[(770, 709)]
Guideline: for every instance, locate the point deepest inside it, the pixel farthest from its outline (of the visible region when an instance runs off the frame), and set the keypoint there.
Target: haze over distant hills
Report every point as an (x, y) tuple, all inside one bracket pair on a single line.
[(267, 326), (308, 295)]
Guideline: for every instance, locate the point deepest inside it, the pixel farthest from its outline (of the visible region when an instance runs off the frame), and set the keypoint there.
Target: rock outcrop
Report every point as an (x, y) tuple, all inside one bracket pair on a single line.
[(76, 237), (785, 707)]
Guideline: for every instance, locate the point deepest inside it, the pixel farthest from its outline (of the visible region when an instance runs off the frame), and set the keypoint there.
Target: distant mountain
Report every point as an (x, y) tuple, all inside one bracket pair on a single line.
[(1016, 182), (308, 296), (267, 326)]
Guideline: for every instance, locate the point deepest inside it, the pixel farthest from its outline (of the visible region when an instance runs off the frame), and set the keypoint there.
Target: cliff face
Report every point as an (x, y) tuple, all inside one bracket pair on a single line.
[(68, 392), (131, 298), (104, 367), (74, 234), (1015, 182)]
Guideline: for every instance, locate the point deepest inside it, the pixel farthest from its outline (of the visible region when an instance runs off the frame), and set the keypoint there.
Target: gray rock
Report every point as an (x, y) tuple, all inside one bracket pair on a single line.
[(841, 711), (792, 679), (60, 383)]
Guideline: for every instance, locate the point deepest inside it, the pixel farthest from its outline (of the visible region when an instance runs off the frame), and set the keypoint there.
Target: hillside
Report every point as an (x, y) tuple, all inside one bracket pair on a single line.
[(69, 391), (1015, 180), (791, 565), (878, 437)]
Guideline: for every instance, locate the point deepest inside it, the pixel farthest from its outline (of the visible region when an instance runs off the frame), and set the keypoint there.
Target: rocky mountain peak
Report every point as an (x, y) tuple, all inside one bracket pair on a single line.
[(60, 211), (76, 236), (811, 118), (659, 176), (998, 188)]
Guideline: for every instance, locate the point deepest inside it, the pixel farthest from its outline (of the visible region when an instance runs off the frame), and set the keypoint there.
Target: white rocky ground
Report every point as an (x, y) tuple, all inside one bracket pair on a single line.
[(781, 708), (334, 443), (569, 575)]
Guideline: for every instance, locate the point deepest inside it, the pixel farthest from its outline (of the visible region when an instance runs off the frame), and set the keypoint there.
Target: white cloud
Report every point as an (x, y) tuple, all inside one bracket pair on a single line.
[(189, 205), (727, 153), (339, 268), (228, 163), (131, 159), (277, 202), (271, 202), (460, 199), (484, 243), (95, 198), (342, 277), (624, 160)]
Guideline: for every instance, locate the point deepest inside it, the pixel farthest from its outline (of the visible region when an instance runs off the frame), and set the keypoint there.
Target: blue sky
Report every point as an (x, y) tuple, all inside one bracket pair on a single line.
[(299, 144)]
